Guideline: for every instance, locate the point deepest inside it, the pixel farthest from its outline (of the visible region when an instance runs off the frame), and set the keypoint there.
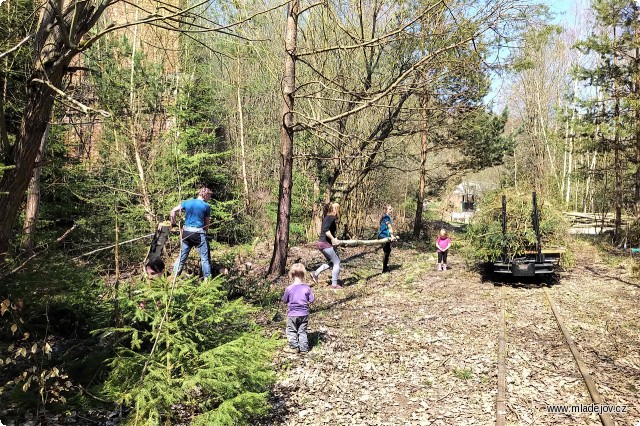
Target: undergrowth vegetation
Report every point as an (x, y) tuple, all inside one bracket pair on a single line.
[(158, 351), (185, 344)]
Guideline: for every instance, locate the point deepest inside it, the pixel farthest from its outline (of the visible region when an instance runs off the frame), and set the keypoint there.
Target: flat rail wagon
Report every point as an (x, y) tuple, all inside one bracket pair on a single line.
[(536, 261)]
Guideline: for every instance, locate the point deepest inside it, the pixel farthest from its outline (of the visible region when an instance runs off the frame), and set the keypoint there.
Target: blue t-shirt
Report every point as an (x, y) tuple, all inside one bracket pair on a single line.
[(384, 227), (196, 211)]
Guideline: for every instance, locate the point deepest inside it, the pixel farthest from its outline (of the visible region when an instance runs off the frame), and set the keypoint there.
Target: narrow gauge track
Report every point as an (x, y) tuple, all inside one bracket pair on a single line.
[(501, 397)]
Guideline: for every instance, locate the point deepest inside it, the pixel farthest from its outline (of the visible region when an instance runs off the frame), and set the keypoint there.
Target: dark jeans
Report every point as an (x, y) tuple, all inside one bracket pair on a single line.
[(385, 260), (297, 332), (442, 256), (199, 241)]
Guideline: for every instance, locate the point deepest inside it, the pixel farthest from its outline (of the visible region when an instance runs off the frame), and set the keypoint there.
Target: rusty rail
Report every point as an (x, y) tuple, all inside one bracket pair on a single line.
[(501, 410), (501, 403), (605, 418)]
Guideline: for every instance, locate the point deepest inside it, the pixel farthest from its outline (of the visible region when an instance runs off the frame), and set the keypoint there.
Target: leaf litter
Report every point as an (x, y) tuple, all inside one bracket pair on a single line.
[(419, 347)]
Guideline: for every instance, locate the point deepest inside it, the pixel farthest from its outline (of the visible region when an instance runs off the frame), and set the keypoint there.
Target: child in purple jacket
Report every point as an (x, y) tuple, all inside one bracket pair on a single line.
[(443, 242), (297, 297)]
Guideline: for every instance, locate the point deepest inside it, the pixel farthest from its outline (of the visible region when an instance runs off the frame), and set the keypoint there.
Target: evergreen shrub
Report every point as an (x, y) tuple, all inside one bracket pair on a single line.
[(207, 356)]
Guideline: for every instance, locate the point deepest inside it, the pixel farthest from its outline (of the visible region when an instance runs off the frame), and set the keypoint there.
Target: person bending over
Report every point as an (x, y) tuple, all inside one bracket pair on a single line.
[(194, 232), (154, 268), (325, 244)]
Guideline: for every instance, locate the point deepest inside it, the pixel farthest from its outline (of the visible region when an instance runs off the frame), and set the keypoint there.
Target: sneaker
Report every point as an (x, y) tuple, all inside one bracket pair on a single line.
[(336, 286), (314, 278), (444, 267), (439, 267), (291, 350)]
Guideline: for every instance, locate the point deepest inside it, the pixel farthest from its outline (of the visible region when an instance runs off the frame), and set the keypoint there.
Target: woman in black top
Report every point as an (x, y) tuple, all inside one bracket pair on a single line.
[(325, 245)]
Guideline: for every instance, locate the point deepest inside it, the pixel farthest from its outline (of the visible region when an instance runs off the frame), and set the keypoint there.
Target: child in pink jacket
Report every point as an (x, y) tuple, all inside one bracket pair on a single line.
[(443, 242)]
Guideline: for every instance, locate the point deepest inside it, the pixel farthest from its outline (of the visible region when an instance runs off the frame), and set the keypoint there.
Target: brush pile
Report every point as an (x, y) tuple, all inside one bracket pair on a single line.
[(485, 240)]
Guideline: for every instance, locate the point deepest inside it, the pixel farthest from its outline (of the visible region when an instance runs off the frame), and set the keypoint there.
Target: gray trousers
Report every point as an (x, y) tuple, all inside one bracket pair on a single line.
[(297, 332), (331, 255)]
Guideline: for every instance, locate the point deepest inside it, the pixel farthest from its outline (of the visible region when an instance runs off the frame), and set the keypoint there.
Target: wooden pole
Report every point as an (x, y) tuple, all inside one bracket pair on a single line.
[(356, 243)]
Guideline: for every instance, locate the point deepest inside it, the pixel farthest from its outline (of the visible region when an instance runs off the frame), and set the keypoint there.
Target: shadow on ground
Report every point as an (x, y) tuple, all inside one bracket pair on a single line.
[(537, 281), (316, 338), (338, 302), (600, 273)]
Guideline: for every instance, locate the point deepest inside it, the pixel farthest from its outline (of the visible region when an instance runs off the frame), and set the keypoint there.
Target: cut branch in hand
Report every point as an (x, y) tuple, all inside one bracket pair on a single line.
[(356, 243)]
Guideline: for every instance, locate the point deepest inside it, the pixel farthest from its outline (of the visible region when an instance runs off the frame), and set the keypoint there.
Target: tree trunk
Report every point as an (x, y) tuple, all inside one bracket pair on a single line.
[(15, 181), (572, 137), (566, 139), (146, 200), (281, 243), (617, 166), (570, 161), (241, 131), (40, 98), (590, 173), (4, 137), (116, 260), (637, 141), (417, 224), (52, 55), (33, 199), (617, 155), (316, 216), (637, 124)]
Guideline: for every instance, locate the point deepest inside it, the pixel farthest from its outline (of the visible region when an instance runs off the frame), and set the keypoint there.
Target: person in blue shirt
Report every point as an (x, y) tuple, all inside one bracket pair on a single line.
[(386, 231), (194, 231)]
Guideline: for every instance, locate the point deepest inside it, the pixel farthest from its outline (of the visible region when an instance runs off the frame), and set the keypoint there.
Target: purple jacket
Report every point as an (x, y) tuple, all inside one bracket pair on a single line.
[(297, 297)]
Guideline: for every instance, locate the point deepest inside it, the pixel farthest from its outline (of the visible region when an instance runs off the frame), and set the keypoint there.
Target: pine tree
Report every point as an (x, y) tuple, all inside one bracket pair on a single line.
[(616, 76)]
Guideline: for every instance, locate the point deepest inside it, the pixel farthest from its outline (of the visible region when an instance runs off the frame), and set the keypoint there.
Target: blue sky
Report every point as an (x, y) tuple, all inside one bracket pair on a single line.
[(565, 12), (559, 6)]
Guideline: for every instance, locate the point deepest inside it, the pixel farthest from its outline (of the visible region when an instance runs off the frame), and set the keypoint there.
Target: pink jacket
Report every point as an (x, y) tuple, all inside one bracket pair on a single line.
[(443, 243)]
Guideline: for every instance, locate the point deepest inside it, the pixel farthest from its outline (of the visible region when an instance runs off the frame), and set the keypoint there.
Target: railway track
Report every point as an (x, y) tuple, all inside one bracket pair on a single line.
[(568, 367)]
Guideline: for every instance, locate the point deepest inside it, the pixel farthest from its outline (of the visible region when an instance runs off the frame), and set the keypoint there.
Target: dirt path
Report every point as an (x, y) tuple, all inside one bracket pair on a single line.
[(417, 347)]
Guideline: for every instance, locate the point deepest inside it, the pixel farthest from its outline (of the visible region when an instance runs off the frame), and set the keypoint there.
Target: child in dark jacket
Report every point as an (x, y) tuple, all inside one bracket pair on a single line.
[(297, 297)]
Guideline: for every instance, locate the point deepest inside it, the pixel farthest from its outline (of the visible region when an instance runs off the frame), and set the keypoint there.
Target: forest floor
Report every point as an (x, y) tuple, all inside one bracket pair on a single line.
[(420, 347)]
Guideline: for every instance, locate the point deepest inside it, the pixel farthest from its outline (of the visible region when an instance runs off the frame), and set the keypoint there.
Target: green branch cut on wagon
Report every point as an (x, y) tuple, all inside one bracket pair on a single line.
[(485, 241)]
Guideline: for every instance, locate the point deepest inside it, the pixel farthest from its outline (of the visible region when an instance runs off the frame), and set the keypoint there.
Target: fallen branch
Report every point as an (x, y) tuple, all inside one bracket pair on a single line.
[(37, 253), (356, 243), (112, 246)]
